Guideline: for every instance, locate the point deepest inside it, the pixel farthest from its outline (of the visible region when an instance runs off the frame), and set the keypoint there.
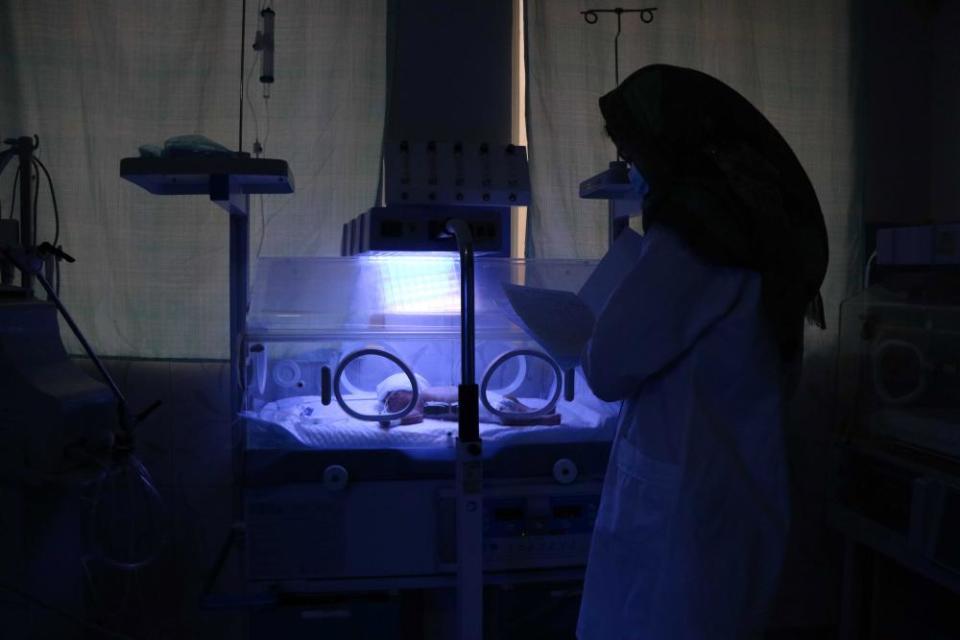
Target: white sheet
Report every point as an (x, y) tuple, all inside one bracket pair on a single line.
[(327, 427)]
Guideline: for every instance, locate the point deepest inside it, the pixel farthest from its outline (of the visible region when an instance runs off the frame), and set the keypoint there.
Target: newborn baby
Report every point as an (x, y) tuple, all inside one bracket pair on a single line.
[(395, 393)]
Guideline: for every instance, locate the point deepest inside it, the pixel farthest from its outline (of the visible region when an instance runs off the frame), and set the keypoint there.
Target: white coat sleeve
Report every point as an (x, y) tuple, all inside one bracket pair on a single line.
[(663, 305)]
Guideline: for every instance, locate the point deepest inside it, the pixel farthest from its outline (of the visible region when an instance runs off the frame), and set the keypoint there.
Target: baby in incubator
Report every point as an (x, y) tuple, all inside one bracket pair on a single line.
[(440, 403)]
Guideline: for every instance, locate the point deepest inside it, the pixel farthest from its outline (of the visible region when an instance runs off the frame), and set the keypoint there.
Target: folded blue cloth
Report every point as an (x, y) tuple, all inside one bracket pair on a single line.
[(150, 151), (188, 146), (193, 145)]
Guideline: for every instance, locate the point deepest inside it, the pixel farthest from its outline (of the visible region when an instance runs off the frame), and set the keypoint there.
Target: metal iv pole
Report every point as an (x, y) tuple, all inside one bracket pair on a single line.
[(617, 168)]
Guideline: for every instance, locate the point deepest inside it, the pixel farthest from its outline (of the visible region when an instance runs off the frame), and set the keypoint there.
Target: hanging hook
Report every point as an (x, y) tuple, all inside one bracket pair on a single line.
[(592, 16)]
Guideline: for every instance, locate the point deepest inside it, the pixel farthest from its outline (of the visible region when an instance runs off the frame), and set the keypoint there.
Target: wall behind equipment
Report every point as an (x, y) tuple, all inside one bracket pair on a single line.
[(97, 79), (909, 105)]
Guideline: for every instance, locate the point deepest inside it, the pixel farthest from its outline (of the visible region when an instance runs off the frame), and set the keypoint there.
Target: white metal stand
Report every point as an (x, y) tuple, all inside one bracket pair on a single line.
[(469, 466), (469, 479)]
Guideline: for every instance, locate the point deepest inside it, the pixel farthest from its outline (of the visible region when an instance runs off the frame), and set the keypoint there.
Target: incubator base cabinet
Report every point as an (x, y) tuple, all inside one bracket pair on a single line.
[(349, 416), (897, 494)]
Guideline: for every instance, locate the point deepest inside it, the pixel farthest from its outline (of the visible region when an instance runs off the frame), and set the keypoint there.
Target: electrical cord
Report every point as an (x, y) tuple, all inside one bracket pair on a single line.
[(867, 268), (56, 218), (53, 199), (39, 164), (13, 193), (46, 247), (263, 228), (246, 96), (36, 199), (132, 465)]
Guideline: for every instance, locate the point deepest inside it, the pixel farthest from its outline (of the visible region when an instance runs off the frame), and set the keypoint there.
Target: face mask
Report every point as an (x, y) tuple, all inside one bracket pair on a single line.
[(639, 184)]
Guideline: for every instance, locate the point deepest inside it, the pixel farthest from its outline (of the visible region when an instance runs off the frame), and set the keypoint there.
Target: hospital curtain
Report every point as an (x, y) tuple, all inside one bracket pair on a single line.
[(794, 61), (97, 79)]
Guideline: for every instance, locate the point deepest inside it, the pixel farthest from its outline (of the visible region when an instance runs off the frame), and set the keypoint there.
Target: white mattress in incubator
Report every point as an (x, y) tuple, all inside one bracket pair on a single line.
[(314, 425)]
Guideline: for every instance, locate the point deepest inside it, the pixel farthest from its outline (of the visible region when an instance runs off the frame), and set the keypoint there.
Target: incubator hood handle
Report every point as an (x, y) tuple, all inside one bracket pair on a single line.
[(460, 230)]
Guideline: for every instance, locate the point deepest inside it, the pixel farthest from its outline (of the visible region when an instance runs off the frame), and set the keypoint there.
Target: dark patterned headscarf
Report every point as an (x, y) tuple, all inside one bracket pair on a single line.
[(722, 177)]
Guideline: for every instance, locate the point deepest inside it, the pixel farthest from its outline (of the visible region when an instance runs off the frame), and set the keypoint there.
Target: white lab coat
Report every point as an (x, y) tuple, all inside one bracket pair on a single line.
[(692, 524)]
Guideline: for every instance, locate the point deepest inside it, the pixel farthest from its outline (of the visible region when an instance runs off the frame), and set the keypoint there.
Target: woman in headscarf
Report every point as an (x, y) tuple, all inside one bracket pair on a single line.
[(702, 340)]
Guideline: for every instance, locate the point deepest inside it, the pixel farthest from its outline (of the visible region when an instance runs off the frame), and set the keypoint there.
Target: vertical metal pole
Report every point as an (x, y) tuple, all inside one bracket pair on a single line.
[(467, 319), (239, 294), (25, 155), (469, 465), (615, 225), (616, 48), (243, 48), (469, 479), (226, 192)]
